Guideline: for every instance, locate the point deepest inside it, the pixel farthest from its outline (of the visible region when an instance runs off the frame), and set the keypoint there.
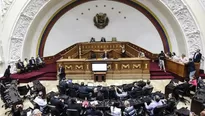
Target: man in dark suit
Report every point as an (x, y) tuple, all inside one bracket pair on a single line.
[(93, 55), (32, 63), (58, 103), (103, 39), (191, 68), (20, 66), (73, 105), (7, 74), (197, 56), (61, 72), (105, 55), (92, 39)]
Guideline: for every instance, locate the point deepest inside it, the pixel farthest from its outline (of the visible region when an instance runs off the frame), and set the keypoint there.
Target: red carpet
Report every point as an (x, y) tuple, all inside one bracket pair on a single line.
[(156, 73), (46, 73)]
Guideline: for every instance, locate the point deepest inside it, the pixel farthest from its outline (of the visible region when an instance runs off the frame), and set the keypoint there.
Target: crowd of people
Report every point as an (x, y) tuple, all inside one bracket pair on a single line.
[(29, 65), (189, 62)]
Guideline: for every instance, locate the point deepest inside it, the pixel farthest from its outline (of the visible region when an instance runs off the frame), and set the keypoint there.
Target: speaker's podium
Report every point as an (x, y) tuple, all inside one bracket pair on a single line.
[(99, 71)]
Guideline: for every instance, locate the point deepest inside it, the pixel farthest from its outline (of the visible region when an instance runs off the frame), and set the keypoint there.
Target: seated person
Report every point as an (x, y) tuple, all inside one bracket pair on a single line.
[(83, 88), (105, 55), (26, 65), (136, 87), (39, 61), (184, 59), (36, 112), (32, 63), (129, 110), (93, 55), (103, 39), (58, 103), (17, 109), (85, 103), (92, 111), (115, 110), (147, 86), (20, 66), (181, 87), (202, 113), (40, 101), (175, 57), (171, 103), (92, 39), (119, 92), (193, 81), (141, 54), (74, 105), (157, 102), (201, 83)]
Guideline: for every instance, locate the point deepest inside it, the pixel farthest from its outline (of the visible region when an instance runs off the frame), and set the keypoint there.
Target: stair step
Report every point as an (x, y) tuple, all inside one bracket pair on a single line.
[(160, 74), (47, 78), (161, 77)]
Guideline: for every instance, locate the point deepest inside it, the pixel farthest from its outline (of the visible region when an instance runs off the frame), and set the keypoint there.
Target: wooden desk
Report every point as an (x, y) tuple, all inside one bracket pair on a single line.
[(179, 69), (121, 68)]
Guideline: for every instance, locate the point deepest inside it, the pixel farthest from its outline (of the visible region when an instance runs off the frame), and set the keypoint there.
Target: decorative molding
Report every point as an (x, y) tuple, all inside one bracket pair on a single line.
[(186, 22), (22, 26), (1, 53), (15, 48), (5, 5), (202, 2)]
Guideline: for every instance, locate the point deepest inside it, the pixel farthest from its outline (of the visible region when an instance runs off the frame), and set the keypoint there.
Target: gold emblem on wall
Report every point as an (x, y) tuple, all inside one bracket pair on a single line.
[(101, 20)]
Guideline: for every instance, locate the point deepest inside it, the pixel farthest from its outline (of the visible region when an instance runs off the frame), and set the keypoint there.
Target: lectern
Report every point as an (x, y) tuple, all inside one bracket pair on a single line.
[(99, 76), (99, 71)]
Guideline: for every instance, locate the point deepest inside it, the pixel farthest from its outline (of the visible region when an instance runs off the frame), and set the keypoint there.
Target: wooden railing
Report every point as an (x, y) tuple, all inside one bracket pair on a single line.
[(147, 53), (83, 50), (53, 59)]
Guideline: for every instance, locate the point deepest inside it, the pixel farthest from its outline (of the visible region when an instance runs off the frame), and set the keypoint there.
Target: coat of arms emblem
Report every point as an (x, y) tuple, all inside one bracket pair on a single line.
[(101, 20)]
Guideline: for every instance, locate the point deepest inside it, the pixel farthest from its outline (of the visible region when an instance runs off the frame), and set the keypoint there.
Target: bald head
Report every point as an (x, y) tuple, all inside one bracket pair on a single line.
[(202, 113)]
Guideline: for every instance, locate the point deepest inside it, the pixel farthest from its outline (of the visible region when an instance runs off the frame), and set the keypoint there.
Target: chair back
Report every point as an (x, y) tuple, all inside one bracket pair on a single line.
[(72, 112), (72, 92), (159, 110), (147, 91)]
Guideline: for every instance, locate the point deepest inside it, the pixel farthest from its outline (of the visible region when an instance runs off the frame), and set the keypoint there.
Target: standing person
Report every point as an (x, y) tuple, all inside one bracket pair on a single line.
[(61, 72), (191, 68), (105, 55), (197, 56), (123, 51), (161, 61), (7, 74)]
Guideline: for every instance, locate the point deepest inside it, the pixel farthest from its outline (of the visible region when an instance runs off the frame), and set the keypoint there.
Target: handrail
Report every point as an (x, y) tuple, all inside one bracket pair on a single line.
[(132, 50)]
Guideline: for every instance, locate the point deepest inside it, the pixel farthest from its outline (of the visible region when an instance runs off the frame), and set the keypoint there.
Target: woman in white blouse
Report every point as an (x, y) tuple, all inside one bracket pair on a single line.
[(115, 110)]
